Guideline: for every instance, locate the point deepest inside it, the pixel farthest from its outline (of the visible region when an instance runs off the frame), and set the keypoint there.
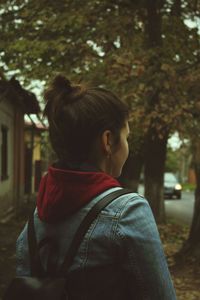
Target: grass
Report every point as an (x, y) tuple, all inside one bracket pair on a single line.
[(188, 187)]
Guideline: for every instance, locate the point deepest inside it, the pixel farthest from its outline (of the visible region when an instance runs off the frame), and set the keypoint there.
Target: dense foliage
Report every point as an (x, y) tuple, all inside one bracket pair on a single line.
[(110, 43), (148, 51)]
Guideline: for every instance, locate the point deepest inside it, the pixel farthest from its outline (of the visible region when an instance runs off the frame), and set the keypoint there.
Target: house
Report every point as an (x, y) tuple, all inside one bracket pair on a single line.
[(36, 153), (15, 102)]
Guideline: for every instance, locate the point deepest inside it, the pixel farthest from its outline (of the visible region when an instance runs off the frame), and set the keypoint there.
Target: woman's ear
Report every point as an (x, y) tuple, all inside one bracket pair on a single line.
[(107, 141)]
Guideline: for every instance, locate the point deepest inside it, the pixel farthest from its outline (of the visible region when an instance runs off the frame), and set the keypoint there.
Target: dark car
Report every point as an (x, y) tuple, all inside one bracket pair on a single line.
[(171, 186)]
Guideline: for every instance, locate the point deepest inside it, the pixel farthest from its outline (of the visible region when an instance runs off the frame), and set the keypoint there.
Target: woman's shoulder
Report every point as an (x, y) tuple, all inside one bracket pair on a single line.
[(133, 214), (129, 200)]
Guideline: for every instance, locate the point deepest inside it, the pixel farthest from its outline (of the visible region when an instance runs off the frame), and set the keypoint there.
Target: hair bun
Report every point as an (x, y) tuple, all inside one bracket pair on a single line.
[(61, 82)]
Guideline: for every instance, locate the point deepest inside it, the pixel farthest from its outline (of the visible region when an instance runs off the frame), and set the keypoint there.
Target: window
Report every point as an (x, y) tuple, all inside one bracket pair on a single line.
[(4, 152)]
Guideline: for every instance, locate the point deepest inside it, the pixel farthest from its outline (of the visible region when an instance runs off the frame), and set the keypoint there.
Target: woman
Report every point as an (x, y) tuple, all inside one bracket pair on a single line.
[(121, 256)]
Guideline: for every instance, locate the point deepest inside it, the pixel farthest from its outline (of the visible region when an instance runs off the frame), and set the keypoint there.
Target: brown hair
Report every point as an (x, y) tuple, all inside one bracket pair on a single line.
[(78, 115)]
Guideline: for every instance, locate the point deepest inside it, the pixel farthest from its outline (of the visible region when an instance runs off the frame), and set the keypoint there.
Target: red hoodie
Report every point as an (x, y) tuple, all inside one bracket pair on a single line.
[(63, 192)]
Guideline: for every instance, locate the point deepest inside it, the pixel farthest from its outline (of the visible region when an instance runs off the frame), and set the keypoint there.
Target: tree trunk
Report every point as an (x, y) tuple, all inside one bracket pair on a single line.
[(153, 26), (130, 176), (155, 148), (194, 236), (154, 164), (176, 9), (192, 245)]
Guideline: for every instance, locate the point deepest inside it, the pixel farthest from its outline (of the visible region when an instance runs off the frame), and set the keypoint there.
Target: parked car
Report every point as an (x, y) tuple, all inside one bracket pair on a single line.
[(171, 186)]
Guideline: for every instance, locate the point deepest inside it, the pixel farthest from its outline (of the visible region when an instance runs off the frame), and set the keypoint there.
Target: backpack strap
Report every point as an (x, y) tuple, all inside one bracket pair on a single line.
[(85, 224), (35, 262)]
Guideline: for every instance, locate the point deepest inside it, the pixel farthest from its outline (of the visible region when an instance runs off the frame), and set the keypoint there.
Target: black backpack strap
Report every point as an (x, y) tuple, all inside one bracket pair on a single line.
[(85, 224)]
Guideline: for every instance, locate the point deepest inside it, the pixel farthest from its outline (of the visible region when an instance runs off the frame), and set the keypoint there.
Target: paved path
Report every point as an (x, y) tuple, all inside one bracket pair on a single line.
[(181, 210)]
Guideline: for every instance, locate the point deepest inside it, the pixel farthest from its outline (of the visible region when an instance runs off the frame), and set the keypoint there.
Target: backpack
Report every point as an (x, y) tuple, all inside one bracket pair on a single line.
[(52, 284)]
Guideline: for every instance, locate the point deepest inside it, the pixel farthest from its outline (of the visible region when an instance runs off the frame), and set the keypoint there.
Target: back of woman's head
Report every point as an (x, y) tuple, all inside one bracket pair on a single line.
[(78, 115)]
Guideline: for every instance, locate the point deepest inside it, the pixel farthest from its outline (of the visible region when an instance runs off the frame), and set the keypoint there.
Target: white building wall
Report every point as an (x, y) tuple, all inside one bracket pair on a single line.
[(6, 186)]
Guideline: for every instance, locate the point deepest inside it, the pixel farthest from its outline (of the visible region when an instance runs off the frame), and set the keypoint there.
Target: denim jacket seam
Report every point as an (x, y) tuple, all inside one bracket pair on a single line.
[(86, 241), (116, 220), (131, 252), (123, 203), (119, 212), (133, 262)]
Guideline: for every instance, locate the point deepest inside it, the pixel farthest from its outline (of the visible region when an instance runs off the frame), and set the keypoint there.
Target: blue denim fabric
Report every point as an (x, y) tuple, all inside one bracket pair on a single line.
[(120, 257)]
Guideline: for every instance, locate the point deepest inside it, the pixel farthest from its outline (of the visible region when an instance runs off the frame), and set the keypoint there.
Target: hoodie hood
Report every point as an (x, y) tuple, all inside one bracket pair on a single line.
[(63, 192)]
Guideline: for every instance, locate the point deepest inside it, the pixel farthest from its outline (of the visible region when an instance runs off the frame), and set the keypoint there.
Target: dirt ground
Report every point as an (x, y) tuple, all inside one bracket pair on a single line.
[(186, 276)]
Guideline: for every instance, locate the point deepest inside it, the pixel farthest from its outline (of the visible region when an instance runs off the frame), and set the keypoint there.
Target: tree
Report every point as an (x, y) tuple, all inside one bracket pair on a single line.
[(134, 47), (192, 245), (194, 236)]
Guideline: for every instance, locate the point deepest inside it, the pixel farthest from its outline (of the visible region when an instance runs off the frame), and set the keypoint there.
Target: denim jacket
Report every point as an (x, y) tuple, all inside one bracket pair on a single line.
[(120, 257)]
